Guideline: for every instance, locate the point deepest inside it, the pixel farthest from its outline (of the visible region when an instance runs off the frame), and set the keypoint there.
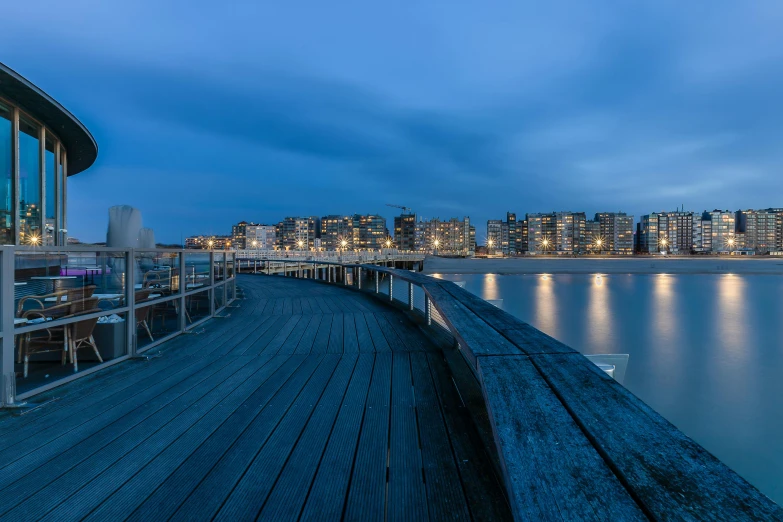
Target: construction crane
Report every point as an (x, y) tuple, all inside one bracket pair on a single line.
[(405, 210)]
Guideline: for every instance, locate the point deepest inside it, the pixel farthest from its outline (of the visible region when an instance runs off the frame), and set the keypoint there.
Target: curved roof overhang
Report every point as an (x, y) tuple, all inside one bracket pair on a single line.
[(78, 142)]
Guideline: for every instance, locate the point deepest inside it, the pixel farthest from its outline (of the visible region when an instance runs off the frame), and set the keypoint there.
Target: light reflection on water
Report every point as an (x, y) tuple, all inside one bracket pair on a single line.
[(706, 351)]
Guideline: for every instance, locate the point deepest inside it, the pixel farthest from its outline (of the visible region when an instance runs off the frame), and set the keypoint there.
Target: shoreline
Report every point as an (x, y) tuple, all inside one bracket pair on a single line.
[(606, 265)]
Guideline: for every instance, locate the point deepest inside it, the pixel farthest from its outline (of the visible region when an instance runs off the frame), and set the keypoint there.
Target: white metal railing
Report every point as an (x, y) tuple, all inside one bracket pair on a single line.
[(66, 312), (348, 256)]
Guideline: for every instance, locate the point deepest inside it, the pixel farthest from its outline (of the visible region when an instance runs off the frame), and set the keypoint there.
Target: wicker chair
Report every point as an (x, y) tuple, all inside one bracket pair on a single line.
[(45, 340), (80, 336), (67, 295)]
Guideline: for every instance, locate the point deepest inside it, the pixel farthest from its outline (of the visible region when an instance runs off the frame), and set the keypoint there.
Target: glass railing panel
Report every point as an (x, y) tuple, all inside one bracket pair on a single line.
[(46, 353), (197, 306), (230, 291), (197, 270), (83, 280), (219, 265), (220, 297), (230, 264), (156, 319), (156, 274)]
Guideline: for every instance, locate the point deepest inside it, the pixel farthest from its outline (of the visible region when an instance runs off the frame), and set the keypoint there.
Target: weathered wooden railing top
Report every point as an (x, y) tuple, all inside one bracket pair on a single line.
[(572, 442)]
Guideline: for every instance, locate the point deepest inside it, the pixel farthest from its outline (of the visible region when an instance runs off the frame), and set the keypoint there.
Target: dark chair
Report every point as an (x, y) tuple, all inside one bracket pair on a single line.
[(47, 339), (80, 336), (142, 314)]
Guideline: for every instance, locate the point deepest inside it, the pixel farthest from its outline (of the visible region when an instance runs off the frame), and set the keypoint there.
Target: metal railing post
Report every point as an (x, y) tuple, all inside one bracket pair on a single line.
[(377, 283), (391, 287), (130, 299), (410, 296), (7, 374), (183, 285), (427, 310), (345, 275), (211, 291), (359, 278)]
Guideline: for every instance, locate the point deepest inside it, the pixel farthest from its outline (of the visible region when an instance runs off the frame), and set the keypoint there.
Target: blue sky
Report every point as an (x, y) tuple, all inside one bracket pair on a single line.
[(209, 113)]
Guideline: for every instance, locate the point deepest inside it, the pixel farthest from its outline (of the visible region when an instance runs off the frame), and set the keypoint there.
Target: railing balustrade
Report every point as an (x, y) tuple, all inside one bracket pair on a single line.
[(70, 311)]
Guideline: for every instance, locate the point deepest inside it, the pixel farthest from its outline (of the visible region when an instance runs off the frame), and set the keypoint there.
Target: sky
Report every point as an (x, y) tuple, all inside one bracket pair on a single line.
[(209, 113)]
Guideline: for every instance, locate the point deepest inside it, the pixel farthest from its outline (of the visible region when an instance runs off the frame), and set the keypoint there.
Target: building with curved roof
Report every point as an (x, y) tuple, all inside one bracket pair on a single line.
[(41, 144)]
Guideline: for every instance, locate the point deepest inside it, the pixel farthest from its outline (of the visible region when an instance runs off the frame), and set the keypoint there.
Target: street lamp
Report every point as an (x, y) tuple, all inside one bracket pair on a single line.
[(300, 244), (34, 240), (210, 244)]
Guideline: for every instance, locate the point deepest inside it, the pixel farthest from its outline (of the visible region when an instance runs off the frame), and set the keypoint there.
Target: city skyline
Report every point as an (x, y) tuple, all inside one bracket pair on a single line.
[(448, 109)]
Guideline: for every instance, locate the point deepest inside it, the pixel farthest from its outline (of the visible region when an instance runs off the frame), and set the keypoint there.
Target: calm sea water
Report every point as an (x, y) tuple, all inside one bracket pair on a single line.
[(706, 351)]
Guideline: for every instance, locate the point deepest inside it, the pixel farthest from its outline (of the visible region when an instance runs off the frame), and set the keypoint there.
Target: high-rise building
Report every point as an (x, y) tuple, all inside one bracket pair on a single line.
[(724, 237), (702, 233), (239, 234), (669, 232), (208, 242), (758, 228), (778, 228), (594, 241), (494, 236), (337, 232), (513, 234), (297, 233), (452, 237), (522, 236), (261, 237), (615, 232), (556, 232), (369, 231), (405, 232)]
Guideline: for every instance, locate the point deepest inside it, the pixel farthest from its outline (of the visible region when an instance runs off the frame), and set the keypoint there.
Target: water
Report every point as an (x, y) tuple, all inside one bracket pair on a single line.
[(706, 351)]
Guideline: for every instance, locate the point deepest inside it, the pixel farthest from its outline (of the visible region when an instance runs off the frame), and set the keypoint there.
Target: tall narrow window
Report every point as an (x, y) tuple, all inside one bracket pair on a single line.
[(29, 184), (6, 177), (62, 173), (49, 224)]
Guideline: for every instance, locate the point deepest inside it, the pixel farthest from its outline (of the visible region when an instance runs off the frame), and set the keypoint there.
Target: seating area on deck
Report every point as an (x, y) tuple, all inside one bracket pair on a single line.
[(305, 402)]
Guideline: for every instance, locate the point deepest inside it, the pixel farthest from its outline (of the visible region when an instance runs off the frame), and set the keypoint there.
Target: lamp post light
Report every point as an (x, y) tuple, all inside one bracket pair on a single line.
[(664, 243), (437, 244), (730, 242), (598, 243), (210, 244)]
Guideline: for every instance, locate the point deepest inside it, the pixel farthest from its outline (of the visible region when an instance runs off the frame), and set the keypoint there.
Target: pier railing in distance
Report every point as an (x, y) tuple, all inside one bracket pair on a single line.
[(70, 311), (569, 442)]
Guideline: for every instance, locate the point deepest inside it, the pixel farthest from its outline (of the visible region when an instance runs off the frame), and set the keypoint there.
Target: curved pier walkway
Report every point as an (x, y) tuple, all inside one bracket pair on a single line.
[(309, 402)]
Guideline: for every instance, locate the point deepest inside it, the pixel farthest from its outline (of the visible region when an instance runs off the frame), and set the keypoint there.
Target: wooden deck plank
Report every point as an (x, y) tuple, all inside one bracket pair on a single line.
[(350, 340), (76, 493), (336, 334), (363, 337), (250, 494), (407, 498), (367, 494), (286, 500), (207, 499), (445, 496), (378, 339), (481, 485), (321, 343), (156, 468), (305, 345), (292, 341), (329, 489), (22, 479)]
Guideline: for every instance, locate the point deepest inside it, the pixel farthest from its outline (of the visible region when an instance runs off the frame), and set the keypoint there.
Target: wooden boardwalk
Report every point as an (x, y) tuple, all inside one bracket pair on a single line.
[(310, 402)]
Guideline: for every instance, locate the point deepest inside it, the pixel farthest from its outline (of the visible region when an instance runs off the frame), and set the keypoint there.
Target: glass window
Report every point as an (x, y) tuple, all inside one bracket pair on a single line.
[(61, 173), (6, 178), (49, 224), (29, 184)]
